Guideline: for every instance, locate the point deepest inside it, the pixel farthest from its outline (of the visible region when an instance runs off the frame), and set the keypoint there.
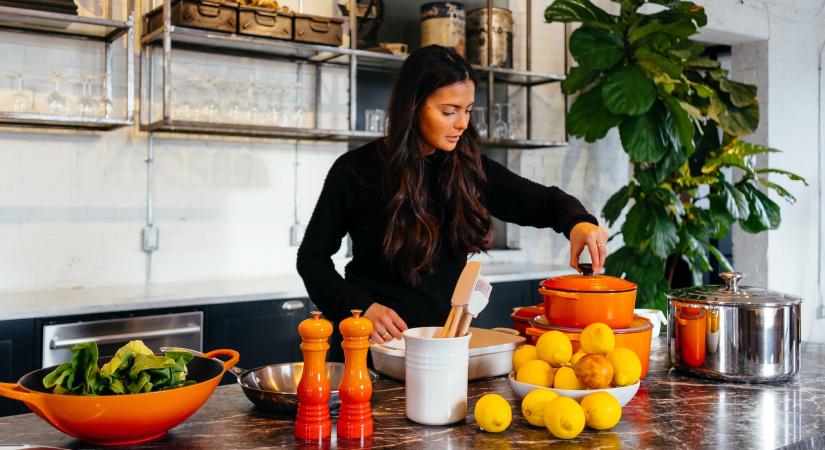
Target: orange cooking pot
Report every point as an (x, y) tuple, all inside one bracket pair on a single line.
[(576, 301), (636, 337), (121, 419)]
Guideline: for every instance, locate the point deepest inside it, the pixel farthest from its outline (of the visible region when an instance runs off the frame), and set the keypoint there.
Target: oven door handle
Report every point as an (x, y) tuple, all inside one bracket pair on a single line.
[(57, 343)]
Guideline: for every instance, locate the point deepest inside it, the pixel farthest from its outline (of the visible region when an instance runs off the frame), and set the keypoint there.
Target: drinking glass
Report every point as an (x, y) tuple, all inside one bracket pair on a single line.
[(480, 115), (515, 124), (374, 120), (300, 112), (104, 101), (56, 102), (211, 111), (87, 106), (501, 130), (19, 100), (275, 101), (234, 107)]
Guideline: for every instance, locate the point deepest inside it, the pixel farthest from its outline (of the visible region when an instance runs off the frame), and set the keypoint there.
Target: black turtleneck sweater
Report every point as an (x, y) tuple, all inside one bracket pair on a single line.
[(350, 202)]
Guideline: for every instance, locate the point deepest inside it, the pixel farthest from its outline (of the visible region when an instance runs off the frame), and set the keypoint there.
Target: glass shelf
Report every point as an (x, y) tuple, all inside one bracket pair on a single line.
[(52, 121), (311, 134), (68, 25)]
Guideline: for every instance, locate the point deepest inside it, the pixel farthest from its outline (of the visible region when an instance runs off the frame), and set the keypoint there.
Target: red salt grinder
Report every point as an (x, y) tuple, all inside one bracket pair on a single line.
[(312, 422), (355, 390)]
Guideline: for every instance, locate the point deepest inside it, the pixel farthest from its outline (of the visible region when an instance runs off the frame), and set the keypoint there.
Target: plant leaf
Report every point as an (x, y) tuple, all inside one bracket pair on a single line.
[(790, 175), (735, 201), (779, 190), (616, 203), (764, 213), (658, 63), (596, 49), (741, 94), (628, 91), (734, 120), (723, 261), (665, 237), (637, 224), (578, 79), (682, 123), (643, 138), (588, 118), (576, 11)]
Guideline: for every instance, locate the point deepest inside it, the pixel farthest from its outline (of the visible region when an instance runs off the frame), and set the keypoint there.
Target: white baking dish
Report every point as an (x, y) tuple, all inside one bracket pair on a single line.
[(491, 354)]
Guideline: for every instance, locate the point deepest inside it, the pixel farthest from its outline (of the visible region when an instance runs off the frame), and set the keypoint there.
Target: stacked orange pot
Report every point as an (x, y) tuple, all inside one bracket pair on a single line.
[(572, 302)]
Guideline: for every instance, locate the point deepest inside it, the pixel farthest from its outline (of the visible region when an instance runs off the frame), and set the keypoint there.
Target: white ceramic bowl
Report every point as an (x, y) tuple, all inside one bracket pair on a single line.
[(623, 394)]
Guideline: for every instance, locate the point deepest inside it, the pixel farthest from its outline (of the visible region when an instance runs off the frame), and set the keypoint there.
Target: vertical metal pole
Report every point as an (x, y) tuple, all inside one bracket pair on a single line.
[(130, 63), (108, 70), (167, 61), (528, 60), (564, 72), (318, 74), (490, 75), (353, 65)]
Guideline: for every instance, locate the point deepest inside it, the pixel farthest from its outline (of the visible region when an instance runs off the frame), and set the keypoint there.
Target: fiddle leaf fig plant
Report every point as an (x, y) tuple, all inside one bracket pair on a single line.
[(681, 121)]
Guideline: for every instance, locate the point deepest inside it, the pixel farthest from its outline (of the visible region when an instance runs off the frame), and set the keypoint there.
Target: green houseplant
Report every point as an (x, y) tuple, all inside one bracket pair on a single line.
[(680, 120)]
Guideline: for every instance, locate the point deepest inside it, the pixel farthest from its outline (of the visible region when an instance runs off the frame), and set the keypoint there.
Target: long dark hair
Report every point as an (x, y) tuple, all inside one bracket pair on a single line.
[(412, 236)]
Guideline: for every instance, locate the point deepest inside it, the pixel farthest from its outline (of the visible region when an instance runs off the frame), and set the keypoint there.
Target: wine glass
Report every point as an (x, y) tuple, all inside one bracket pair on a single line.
[(211, 111), (19, 100), (515, 124), (480, 114), (275, 100), (56, 102), (234, 107), (300, 112), (501, 130), (105, 102), (87, 106)]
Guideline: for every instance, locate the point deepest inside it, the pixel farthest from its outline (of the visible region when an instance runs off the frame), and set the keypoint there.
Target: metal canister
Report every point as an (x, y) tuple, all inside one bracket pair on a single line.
[(734, 333), (442, 23), (478, 37)]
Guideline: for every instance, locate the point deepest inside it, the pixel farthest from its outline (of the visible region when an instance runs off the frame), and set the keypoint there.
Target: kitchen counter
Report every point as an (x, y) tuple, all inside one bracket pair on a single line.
[(78, 301), (670, 411)]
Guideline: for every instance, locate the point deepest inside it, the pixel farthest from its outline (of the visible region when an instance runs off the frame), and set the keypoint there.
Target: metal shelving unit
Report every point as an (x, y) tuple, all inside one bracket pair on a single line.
[(169, 37), (106, 31)]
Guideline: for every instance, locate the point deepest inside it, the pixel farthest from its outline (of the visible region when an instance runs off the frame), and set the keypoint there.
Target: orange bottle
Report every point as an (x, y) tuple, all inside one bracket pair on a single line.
[(312, 422), (355, 390)]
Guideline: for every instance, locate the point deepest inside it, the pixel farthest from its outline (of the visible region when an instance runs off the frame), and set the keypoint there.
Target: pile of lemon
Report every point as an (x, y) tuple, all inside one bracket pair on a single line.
[(551, 363)]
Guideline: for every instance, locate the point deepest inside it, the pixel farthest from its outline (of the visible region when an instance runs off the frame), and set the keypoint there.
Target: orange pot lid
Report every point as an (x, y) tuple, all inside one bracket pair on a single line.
[(588, 283)]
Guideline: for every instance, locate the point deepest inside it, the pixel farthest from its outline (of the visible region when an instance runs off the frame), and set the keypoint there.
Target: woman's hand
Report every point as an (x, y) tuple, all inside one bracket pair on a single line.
[(595, 237), (386, 323)]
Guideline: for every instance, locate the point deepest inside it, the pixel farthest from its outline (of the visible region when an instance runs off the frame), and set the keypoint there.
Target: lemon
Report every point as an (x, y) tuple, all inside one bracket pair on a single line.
[(627, 368), (523, 354), (493, 413), (555, 348), (576, 357), (535, 372), (601, 410), (564, 418), (565, 378), (534, 404), (598, 338)]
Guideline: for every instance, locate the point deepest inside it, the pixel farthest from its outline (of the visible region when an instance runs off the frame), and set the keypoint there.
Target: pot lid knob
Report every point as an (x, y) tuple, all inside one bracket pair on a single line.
[(732, 280)]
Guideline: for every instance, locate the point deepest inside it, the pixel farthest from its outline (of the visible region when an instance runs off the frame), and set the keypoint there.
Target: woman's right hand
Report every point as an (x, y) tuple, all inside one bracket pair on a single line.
[(386, 323)]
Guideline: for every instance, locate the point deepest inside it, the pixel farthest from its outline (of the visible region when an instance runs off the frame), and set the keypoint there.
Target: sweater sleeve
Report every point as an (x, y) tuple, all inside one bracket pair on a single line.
[(515, 199), (327, 227)]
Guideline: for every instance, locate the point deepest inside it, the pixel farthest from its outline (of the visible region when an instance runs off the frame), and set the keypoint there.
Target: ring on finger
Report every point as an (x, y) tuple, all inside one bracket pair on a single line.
[(385, 335), (601, 244)]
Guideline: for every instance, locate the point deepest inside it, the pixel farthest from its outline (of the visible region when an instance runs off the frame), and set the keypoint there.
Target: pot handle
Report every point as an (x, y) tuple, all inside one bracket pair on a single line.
[(570, 295), (233, 356), (15, 392)]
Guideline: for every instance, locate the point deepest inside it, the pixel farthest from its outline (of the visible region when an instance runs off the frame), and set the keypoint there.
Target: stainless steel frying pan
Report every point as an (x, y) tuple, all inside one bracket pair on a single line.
[(274, 387)]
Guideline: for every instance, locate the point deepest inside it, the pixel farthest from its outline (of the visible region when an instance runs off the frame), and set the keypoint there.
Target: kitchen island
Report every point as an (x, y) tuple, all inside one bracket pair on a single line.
[(670, 411)]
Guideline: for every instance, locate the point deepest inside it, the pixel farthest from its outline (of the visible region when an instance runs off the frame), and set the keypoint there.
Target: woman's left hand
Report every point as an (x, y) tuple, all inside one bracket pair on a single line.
[(595, 237)]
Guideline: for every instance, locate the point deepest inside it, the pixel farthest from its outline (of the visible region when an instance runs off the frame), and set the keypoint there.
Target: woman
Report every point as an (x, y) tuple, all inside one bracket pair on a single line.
[(419, 201)]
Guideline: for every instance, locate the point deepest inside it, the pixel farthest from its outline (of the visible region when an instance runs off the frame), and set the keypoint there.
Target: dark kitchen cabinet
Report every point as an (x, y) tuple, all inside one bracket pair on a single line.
[(504, 298), (263, 332), (17, 357)]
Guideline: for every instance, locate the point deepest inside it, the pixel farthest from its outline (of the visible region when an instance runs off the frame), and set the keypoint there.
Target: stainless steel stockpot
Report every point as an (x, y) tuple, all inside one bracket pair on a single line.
[(732, 333)]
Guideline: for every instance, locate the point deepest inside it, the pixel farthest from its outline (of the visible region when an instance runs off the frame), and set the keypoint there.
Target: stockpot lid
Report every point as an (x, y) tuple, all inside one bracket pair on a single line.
[(731, 294)]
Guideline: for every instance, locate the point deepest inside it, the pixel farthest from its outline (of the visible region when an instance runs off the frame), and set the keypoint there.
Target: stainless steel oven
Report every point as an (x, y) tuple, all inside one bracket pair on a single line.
[(171, 330)]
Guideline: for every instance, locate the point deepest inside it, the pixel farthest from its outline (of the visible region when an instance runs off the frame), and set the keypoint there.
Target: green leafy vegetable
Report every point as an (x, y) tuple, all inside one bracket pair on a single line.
[(133, 369)]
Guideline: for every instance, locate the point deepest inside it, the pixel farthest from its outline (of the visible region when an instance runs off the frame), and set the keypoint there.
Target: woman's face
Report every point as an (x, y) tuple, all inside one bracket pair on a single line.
[(445, 115)]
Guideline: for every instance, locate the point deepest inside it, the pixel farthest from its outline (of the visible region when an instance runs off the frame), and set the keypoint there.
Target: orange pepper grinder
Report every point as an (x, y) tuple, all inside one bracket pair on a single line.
[(312, 422), (355, 390)]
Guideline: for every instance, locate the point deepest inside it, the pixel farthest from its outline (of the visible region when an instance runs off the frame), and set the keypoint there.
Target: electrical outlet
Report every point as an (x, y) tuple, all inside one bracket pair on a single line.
[(151, 238), (296, 234)]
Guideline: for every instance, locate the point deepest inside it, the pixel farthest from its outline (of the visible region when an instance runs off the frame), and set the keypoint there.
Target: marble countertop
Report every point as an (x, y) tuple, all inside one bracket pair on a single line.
[(670, 411), (78, 301)]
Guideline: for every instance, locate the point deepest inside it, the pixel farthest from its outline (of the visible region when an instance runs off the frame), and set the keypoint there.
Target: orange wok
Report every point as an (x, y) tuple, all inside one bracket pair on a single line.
[(121, 419)]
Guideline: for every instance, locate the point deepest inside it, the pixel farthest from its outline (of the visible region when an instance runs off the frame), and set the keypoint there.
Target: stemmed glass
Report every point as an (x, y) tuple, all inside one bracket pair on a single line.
[(480, 114), (56, 102), (515, 124), (300, 112), (257, 113), (19, 100), (234, 106), (211, 111), (275, 100), (105, 102), (87, 104), (500, 126)]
